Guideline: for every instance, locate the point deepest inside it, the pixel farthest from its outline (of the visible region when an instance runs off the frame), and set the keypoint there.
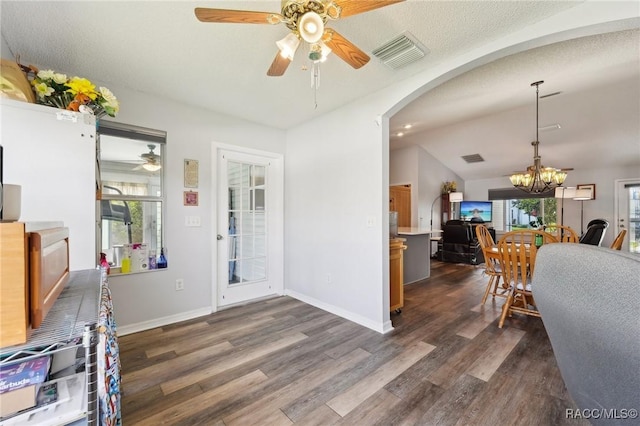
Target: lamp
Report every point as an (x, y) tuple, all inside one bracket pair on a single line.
[(152, 167), (288, 45), (581, 195), (311, 27), (454, 197), (538, 179)]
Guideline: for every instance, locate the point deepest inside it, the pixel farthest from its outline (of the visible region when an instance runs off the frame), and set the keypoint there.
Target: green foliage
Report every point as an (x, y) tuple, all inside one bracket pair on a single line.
[(550, 211), (532, 207), (135, 207)]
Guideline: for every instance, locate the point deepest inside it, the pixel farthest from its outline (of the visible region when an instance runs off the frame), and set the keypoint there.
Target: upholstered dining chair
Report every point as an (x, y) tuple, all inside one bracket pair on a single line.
[(564, 234), (491, 264), (517, 250), (617, 243)]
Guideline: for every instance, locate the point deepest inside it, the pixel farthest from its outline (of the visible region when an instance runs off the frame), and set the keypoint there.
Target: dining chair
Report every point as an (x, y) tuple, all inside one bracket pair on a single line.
[(564, 234), (517, 251), (617, 243), (491, 264)]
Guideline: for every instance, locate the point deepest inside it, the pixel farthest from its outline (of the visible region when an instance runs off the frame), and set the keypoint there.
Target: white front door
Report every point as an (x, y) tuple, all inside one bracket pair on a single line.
[(627, 213), (250, 226)]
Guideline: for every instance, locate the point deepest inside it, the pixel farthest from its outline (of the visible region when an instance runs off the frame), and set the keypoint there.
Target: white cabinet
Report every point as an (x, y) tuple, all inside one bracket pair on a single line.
[(51, 153)]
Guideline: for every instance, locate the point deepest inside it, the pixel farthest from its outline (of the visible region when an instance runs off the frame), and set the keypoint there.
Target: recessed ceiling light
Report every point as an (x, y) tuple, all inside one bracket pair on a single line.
[(400, 134), (407, 126)]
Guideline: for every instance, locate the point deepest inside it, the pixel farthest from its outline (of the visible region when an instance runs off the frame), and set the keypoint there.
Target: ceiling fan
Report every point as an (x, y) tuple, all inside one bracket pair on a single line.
[(306, 19), (151, 160)]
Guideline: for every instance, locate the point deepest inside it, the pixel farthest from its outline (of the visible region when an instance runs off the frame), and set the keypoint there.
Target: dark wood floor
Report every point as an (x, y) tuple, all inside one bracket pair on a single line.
[(280, 361)]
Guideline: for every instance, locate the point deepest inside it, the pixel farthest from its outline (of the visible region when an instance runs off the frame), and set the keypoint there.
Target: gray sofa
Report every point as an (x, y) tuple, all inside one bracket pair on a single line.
[(589, 300)]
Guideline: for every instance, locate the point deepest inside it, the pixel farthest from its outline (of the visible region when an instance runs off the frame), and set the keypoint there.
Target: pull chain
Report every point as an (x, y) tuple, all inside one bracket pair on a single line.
[(315, 82)]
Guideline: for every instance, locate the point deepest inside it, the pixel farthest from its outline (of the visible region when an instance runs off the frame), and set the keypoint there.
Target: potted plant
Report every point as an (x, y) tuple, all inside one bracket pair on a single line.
[(449, 187)]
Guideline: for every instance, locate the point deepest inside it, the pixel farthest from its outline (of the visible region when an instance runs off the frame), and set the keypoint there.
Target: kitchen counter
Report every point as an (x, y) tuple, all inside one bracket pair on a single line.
[(417, 231), (417, 256)]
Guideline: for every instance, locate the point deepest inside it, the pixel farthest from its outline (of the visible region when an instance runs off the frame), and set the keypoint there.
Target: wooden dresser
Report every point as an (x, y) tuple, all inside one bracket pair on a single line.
[(34, 268)]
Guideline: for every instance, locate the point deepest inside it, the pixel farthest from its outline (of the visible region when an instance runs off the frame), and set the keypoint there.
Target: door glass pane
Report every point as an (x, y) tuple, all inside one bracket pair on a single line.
[(247, 230), (634, 219)]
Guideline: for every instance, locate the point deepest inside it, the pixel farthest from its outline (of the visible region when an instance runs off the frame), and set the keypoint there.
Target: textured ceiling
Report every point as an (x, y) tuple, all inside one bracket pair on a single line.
[(160, 48)]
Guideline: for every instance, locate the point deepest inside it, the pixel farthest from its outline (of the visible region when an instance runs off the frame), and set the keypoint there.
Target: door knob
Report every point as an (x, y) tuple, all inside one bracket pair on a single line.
[(219, 237)]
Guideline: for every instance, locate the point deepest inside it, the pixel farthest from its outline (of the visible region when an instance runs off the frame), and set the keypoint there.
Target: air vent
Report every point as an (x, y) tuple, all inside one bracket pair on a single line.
[(400, 51), (473, 158)]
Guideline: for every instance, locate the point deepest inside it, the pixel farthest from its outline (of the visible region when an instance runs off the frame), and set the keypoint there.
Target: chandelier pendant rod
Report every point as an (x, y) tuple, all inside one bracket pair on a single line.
[(537, 178)]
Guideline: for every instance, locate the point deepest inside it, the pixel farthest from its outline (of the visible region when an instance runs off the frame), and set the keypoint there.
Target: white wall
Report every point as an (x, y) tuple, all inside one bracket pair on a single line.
[(426, 174), (432, 175), (336, 180), (4, 49), (404, 169)]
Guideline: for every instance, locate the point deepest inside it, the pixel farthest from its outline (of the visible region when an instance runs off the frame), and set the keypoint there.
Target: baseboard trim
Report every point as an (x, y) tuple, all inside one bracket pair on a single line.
[(159, 322), (382, 328)]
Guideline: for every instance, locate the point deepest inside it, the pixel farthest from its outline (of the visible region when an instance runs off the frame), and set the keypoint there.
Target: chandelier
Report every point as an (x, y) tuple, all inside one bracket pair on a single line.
[(538, 179)]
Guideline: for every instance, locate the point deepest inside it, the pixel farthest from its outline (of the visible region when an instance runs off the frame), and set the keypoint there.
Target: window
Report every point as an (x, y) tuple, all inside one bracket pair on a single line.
[(514, 209), (131, 162), (531, 213)]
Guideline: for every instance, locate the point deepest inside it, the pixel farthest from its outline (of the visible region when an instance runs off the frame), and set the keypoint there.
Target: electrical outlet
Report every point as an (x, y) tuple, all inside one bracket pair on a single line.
[(179, 284)]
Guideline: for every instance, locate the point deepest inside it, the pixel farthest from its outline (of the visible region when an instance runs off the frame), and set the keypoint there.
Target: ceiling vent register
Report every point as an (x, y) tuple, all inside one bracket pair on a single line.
[(400, 51), (473, 158)]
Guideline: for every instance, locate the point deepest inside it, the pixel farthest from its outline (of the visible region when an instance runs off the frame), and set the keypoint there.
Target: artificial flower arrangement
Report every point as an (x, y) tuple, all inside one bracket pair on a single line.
[(448, 187), (74, 94)]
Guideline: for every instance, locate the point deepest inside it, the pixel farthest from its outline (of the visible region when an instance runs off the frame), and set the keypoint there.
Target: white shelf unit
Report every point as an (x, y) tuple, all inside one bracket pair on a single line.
[(71, 323)]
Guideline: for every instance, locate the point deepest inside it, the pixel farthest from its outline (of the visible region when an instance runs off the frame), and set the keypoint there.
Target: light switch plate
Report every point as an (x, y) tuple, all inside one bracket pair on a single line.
[(192, 221)]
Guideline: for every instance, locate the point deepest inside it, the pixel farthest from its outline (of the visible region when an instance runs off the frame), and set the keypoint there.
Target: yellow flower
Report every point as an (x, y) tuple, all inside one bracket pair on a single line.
[(82, 85), (43, 90)]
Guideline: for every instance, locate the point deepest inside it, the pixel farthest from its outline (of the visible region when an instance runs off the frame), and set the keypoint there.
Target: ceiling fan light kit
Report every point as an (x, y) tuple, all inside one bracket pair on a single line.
[(288, 46), (311, 27), (151, 167), (538, 179), (152, 163)]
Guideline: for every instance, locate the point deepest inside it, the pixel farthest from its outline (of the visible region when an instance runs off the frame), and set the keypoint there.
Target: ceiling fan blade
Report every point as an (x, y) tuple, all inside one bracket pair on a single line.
[(237, 16), (278, 66), (353, 7), (346, 50)]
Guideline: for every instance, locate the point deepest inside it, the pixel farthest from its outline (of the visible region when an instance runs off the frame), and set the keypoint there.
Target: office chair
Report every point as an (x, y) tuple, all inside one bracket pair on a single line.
[(595, 233), (117, 210), (595, 221)]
